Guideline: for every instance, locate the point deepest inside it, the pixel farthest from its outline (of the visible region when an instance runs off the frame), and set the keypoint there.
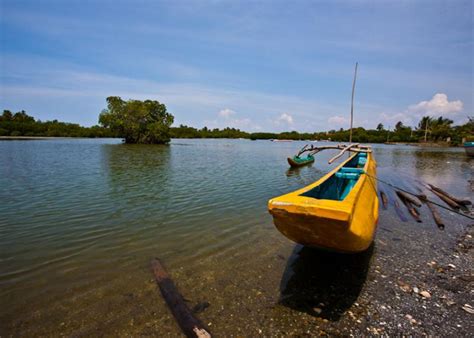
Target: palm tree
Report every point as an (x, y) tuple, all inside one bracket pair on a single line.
[(424, 123), (441, 128)]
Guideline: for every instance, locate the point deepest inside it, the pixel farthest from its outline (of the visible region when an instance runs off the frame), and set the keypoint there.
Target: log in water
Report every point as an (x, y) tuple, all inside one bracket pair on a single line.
[(190, 325), (411, 209), (446, 200), (436, 216), (409, 198), (434, 212), (384, 199), (451, 197)]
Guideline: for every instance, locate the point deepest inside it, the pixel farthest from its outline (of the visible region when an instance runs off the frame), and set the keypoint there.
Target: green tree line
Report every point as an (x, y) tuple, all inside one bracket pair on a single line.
[(429, 129), (22, 124), (432, 129), (189, 132), (435, 129)]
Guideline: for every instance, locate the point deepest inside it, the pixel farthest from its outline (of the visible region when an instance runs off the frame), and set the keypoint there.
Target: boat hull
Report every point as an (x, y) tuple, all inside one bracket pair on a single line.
[(347, 226), (300, 163)]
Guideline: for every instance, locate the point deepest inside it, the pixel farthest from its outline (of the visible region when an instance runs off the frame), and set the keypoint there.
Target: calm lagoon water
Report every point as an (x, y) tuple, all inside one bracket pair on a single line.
[(81, 219)]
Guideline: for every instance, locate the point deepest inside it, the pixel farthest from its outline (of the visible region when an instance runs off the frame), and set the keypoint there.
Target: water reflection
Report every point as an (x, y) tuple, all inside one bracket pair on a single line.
[(323, 284), (135, 168), (135, 160), (136, 188), (293, 172), (406, 166)]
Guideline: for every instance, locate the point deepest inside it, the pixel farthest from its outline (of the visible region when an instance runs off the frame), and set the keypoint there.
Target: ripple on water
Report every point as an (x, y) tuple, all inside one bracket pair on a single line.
[(80, 219)]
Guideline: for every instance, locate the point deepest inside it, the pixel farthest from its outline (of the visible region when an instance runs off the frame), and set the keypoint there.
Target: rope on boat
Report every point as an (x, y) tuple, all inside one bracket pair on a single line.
[(426, 200)]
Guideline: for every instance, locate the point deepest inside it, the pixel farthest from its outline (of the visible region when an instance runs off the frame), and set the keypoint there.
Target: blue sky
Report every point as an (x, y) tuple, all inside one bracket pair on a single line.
[(254, 65)]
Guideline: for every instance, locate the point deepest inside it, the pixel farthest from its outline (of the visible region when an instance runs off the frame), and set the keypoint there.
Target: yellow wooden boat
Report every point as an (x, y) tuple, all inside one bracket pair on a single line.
[(338, 212)]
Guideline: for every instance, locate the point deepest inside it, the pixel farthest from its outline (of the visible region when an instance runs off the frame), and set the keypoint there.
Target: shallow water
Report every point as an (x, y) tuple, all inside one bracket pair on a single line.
[(81, 219)]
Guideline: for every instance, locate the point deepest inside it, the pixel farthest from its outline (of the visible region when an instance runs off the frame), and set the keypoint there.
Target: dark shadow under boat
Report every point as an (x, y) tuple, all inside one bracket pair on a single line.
[(321, 283)]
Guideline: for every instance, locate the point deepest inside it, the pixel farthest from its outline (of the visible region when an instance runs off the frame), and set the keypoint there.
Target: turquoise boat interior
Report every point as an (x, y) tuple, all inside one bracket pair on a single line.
[(338, 186)]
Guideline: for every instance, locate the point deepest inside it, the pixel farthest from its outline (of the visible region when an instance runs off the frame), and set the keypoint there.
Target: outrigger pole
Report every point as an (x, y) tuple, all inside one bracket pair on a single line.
[(352, 102), (343, 150), (354, 147)]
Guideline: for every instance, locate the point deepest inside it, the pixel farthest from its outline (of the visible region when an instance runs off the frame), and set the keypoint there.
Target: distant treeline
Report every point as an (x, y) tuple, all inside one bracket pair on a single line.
[(434, 129), (21, 124)]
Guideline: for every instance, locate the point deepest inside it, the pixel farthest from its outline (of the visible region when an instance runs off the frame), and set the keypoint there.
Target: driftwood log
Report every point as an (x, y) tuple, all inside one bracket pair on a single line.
[(451, 197), (446, 200), (384, 199), (436, 216), (434, 212), (190, 325), (409, 198), (411, 209)]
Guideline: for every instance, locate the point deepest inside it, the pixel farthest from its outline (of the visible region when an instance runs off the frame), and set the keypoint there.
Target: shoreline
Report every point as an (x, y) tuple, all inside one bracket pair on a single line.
[(425, 144), (19, 138), (415, 144)]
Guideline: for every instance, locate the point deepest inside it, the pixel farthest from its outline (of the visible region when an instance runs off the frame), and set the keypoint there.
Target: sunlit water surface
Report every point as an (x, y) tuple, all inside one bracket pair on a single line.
[(81, 219)]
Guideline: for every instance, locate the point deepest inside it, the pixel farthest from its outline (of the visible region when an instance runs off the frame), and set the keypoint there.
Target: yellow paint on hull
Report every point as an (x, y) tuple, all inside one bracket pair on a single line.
[(345, 226)]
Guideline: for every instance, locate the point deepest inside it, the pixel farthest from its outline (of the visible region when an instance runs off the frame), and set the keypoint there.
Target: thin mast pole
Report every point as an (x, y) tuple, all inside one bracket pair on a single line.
[(352, 102)]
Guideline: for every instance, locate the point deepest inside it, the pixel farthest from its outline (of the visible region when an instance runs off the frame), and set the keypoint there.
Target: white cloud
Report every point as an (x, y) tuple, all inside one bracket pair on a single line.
[(180, 98), (285, 118), (390, 119), (190, 103), (226, 113), (245, 124), (338, 121), (438, 105), (241, 123), (227, 118)]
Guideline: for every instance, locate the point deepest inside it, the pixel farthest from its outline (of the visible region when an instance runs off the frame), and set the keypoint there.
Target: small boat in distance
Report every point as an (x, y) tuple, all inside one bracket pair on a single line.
[(277, 140), (469, 148), (297, 161), (339, 212)]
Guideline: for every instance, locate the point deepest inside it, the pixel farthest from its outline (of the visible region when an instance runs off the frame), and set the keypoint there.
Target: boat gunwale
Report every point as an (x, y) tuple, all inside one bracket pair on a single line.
[(304, 204)]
